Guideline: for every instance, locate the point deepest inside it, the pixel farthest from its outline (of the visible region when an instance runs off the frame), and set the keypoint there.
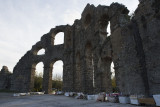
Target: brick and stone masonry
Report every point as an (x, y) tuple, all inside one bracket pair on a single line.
[(88, 51)]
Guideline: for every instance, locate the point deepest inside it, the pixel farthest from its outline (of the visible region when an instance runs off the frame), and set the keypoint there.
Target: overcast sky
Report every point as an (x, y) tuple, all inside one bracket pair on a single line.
[(23, 22)]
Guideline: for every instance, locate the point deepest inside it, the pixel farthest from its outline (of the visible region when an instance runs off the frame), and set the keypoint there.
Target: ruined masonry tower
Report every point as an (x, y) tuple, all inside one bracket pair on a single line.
[(87, 52)]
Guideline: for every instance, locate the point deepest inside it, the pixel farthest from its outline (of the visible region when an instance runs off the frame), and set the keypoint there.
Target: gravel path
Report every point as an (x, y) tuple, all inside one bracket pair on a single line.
[(7, 100)]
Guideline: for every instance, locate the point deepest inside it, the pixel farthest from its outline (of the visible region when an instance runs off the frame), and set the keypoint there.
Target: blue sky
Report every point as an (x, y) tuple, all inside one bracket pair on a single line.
[(23, 22)]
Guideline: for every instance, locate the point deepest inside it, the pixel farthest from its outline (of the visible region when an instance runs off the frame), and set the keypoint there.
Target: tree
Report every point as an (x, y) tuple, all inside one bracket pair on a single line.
[(114, 86), (57, 82), (38, 82)]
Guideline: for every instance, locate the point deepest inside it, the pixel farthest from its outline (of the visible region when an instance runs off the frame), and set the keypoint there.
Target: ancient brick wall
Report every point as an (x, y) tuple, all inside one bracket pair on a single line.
[(5, 78), (88, 51), (147, 18)]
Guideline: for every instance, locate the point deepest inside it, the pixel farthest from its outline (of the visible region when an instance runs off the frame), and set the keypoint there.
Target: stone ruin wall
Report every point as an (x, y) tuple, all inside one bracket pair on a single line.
[(87, 52), (5, 78)]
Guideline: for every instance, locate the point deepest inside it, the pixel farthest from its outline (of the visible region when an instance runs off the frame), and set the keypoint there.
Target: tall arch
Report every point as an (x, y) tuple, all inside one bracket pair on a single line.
[(47, 77), (38, 66), (57, 75), (38, 77)]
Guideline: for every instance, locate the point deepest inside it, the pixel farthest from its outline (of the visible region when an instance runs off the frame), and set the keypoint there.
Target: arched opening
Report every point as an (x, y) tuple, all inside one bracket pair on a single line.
[(113, 78), (87, 20), (103, 27), (109, 29), (58, 38), (38, 77), (41, 52), (89, 74), (57, 76)]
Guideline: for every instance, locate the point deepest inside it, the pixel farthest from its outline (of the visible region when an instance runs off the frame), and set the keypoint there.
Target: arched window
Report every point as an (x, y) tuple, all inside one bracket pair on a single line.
[(58, 38), (41, 52)]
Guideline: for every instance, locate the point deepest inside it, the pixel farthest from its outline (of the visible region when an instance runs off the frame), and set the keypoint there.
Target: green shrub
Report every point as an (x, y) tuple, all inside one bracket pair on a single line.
[(37, 83)]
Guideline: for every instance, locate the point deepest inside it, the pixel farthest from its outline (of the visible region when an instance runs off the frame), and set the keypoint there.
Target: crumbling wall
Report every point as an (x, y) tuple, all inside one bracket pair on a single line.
[(24, 71), (147, 19), (5, 78), (88, 51)]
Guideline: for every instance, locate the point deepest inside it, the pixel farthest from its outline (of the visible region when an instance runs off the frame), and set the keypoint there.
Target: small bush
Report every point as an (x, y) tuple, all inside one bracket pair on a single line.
[(38, 83)]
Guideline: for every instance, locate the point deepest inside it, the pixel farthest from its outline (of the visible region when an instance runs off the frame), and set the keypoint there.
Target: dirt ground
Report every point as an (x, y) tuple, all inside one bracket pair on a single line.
[(7, 100)]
